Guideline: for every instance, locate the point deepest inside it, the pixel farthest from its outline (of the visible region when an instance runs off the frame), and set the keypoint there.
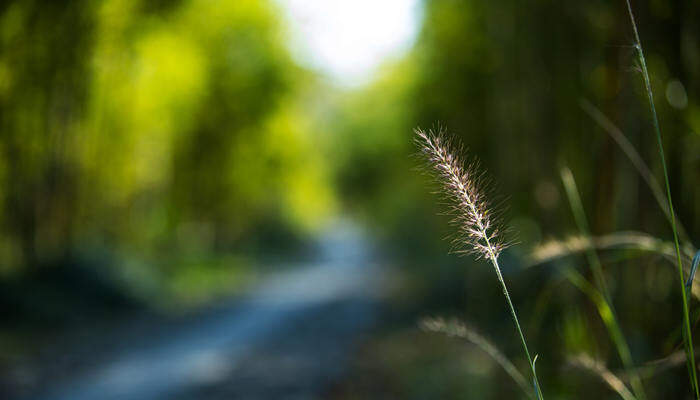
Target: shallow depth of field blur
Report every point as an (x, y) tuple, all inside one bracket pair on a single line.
[(218, 199)]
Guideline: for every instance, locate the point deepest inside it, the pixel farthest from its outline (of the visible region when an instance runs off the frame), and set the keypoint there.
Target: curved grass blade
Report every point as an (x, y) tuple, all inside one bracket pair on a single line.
[(534, 378), (611, 129), (625, 240), (598, 369), (456, 328), (693, 270)]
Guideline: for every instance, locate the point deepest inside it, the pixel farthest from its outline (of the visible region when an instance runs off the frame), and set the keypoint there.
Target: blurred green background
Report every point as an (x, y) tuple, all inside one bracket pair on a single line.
[(164, 155)]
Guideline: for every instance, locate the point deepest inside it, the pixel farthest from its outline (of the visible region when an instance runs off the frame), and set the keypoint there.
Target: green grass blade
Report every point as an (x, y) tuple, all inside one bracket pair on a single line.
[(604, 303), (687, 332)]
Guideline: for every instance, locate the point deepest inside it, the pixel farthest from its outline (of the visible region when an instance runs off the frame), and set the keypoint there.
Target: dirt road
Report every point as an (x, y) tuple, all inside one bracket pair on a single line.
[(289, 338)]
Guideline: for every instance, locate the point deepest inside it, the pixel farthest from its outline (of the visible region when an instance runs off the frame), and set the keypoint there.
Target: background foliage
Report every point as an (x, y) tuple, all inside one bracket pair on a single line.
[(167, 150)]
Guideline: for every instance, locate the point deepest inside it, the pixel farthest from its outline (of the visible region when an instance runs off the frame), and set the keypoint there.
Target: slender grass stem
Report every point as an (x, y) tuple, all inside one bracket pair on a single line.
[(687, 334), (536, 383)]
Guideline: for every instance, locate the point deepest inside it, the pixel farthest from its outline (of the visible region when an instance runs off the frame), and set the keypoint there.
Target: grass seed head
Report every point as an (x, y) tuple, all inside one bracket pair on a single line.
[(463, 187)]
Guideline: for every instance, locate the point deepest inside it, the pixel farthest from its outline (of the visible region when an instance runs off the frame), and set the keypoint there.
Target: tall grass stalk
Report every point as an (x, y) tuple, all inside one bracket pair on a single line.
[(687, 333), (479, 232), (604, 301)]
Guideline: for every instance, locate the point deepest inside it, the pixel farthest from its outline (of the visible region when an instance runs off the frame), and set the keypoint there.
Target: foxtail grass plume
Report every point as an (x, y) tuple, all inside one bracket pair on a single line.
[(478, 229), (479, 234)]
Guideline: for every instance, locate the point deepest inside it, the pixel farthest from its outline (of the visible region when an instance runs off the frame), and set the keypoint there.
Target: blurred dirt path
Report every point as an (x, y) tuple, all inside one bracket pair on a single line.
[(288, 339)]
